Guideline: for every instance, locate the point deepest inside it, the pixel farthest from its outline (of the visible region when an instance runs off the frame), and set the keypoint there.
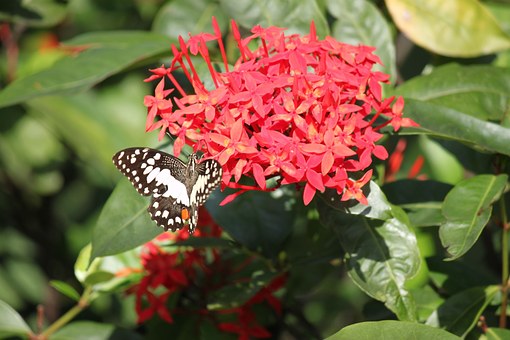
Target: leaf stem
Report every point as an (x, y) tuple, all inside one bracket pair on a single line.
[(504, 262), (69, 315)]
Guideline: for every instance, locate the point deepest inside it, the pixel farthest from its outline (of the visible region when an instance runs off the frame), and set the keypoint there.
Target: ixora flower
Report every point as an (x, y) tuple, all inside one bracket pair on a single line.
[(170, 275), (295, 108)]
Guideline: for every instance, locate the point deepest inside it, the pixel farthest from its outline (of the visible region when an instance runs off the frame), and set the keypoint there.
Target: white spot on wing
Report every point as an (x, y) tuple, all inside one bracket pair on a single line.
[(176, 189), (153, 174)]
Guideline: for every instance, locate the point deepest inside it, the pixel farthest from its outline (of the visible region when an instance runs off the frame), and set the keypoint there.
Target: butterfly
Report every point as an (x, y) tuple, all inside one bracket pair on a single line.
[(177, 189)]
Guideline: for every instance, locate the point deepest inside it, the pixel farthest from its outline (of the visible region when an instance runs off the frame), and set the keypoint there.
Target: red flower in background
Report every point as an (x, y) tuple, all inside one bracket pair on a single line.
[(174, 270), (166, 272), (302, 109)]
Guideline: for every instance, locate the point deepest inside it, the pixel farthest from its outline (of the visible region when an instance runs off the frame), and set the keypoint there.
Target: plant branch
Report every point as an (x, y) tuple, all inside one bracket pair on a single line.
[(504, 262), (69, 315)]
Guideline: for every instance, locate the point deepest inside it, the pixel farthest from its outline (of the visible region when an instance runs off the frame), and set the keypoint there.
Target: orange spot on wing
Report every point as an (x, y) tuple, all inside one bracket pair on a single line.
[(184, 214)]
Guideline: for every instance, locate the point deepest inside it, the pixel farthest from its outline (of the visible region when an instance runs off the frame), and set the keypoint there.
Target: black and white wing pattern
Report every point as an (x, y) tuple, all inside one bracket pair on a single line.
[(177, 188)]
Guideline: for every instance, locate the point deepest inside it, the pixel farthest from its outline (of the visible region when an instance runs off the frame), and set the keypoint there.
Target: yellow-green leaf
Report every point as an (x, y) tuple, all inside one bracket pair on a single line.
[(457, 28)]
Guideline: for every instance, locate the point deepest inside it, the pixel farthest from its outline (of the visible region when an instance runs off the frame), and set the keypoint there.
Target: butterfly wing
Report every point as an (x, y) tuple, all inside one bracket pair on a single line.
[(152, 172), (168, 214), (209, 177)]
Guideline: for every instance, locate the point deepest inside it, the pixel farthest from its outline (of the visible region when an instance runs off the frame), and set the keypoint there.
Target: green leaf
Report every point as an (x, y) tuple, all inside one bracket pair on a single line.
[(460, 313), (237, 294), (448, 123), (467, 209), (41, 13), (98, 277), (98, 55), (66, 289), (381, 252), (391, 330), (378, 206), (452, 277), (295, 15), (204, 242), (124, 223), (456, 28), (360, 22), (259, 220), (427, 301), (481, 91), (88, 330), (408, 191), (180, 17), (497, 334), (102, 271), (11, 323), (422, 200)]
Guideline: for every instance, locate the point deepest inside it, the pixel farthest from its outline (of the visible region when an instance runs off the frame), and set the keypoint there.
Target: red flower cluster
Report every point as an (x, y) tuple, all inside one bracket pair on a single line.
[(167, 272), (296, 108), (246, 325)]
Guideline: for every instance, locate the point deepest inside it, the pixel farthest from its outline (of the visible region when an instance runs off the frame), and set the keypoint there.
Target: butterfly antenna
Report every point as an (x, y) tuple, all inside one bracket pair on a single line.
[(185, 150)]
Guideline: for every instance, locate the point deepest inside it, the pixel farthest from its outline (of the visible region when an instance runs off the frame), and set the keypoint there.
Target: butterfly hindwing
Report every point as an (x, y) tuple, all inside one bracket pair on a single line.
[(177, 189), (167, 213)]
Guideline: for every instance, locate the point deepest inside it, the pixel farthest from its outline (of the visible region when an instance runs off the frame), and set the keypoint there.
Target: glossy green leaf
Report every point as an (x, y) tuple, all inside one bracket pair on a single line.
[(444, 122), (360, 22), (11, 323), (460, 313), (378, 206), (124, 222), (41, 13), (98, 56), (88, 330), (180, 17), (467, 209), (295, 15), (456, 28), (481, 91), (66, 289), (391, 329), (258, 220), (381, 254)]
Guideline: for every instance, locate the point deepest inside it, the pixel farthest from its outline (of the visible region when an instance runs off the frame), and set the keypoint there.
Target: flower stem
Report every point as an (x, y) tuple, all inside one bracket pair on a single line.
[(67, 317), (504, 262)]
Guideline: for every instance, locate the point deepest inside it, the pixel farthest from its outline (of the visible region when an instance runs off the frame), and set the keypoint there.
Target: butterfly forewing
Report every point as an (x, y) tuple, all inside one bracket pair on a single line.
[(177, 189), (209, 176)]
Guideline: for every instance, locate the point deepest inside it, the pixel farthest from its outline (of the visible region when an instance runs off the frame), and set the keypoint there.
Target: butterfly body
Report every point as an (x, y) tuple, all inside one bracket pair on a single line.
[(178, 189)]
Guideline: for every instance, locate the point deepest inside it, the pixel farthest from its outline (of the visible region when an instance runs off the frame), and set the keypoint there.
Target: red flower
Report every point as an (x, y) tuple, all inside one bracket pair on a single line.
[(167, 272), (246, 325), (299, 108)]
